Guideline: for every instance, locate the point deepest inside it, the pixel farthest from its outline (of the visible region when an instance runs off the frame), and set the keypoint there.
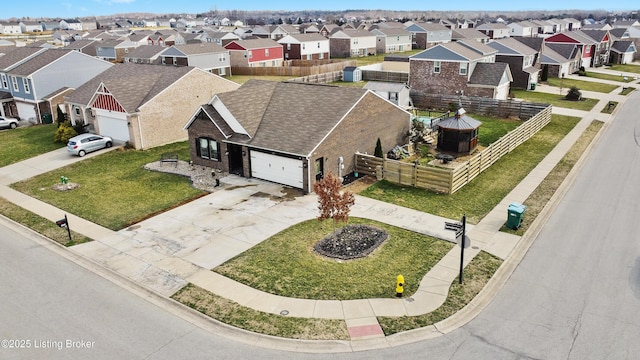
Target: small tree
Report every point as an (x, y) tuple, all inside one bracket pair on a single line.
[(378, 152), (574, 94), (417, 132), (333, 202)]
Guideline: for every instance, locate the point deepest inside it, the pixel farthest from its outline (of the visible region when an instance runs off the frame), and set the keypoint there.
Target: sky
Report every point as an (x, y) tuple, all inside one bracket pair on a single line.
[(80, 8)]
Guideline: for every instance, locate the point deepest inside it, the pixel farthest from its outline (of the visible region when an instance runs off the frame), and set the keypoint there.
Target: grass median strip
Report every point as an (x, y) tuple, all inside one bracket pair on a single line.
[(487, 190), (40, 225), (476, 275), (555, 99), (286, 264), (234, 314), (582, 85), (541, 195)]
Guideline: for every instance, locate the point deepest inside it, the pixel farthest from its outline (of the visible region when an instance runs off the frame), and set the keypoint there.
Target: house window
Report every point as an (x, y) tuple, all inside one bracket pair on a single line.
[(222, 57), (208, 149), (393, 97), (250, 54), (77, 109), (266, 52), (175, 61), (436, 67), (463, 68), (304, 46), (222, 71), (289, 46), (164, 60), (14, 81), (318, 45), (126, 50), (321, 56), (25, 84), (5, 83)]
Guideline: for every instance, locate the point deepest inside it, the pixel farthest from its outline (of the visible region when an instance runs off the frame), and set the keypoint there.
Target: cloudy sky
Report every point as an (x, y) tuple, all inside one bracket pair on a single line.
[(79, 8)]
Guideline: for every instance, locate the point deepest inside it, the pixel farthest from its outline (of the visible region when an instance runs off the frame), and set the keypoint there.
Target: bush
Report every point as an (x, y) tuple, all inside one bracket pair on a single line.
[(574, 94), (378, 152), (64, 132)]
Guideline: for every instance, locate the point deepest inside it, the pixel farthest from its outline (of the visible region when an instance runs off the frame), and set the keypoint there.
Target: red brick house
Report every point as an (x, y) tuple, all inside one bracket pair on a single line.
[(284, 131)]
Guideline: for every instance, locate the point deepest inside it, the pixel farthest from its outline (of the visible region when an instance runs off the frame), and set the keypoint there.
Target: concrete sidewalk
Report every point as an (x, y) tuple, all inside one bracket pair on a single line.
[(168, 251)]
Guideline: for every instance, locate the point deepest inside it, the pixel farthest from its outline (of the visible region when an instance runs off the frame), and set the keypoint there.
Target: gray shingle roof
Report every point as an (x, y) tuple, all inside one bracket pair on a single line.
[(384, 86), (510, 46), (131, 84), (14, 55), (145, 52), (488, 74), (39, 61), (621, 46), (567, 51), (200, 48), (289, 117), (452, 51), (459, 122)]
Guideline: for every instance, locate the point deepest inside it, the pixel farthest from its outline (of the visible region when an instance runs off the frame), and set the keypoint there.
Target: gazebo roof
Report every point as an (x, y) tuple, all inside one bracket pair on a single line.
[(459, 121)]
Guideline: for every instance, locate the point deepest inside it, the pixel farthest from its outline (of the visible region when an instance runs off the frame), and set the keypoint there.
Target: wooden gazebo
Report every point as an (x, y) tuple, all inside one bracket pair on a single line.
[(458, 134)]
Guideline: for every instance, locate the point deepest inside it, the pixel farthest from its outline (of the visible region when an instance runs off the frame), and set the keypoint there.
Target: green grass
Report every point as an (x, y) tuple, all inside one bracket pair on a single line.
[(609, 109), (627, 90), (39, 224), (476, 275), (554, 99), (234, 314), (481, 195), (378, 58), (286, 264), (26, 142), (493, 128), (582, 85), (627, 68), (115, 191), (609, 77), (545, 190)]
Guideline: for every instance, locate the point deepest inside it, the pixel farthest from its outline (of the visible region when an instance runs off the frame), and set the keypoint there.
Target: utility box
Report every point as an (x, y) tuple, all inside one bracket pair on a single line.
[(514, 215)]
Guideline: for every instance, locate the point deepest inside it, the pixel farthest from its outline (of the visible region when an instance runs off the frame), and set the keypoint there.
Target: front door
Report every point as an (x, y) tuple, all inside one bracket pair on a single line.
[(235, 159), (319, 169)]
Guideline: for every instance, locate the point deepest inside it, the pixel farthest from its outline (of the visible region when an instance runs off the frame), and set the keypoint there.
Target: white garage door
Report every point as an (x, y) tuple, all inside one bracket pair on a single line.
[(26, 111), (275, 168), (113, 125)]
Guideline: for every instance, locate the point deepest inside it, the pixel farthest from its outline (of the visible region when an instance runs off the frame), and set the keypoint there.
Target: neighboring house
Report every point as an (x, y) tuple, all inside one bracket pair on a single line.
[(206, 56), (84, 46), (71, 24), (146, 54), (573, 24), (327, 29), (30, 26), (469, 34), (622, 52), (50, 25), (521, 60), (594, 45), (277, 32), (396, 93), (10, 28), (311, 46), (426, 35), (144, 105), (247, 132), (47, 72), (459, 68), (543, 27), (222, 38), (350, 43), (522, 28), (391, 40), (559, 25), (560, 59), (494, 30), (10, 57), (255, 53), (624, 24), (114, 50)]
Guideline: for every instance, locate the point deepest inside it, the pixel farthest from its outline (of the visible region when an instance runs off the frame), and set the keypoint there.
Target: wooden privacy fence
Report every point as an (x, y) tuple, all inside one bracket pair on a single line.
[(324, 78), (445, 179), (386, 76), (293, 71)]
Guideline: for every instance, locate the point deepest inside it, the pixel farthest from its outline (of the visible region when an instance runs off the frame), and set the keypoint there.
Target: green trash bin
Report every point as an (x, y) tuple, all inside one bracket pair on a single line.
[(533, 86), (514, 215)]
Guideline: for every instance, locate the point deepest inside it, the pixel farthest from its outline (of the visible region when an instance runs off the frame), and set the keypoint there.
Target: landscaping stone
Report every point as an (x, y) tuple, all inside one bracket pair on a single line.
[(351, 242)]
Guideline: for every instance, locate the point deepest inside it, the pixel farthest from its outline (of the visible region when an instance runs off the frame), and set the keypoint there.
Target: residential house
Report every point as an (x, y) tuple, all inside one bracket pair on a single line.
[(542, 27), (522, 28), (594, 45), (469, 34), (327, 29), (396, 93), (391, 40), (222, 38), (459, 68), (277, 32), (84, 46), (521, 60), (573, 24), (144, 105), (560, 59), (622, 52), (50, 25), (255, 53), (311, 46), (625, 24), (350, 43), (597, 26), (206, 56), (10, 28), (310, 28), (30, 26), (494, 30), (114, 50), (145, 54), (45, 73), (559, 25), (426, 35), (247, 132), (10, 57), (71, 24)]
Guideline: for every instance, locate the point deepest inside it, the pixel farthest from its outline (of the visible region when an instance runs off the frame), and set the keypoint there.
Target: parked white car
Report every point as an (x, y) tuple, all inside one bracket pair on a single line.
[(8, 123), (82, 144)]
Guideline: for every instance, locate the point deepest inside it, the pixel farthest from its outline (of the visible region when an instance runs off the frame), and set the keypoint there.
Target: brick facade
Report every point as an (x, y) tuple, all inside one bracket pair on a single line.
[(340, 48), (448, 81)]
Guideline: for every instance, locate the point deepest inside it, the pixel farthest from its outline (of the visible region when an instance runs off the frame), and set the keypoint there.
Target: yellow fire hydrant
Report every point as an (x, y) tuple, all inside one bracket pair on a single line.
[(399, 285)]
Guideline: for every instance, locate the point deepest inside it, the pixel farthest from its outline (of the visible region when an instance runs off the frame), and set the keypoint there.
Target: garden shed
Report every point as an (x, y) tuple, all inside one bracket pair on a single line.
[(351, 74), (458, 134)]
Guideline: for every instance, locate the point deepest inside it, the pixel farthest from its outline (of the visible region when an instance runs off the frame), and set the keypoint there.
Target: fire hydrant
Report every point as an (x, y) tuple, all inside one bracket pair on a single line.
[(399, 285)]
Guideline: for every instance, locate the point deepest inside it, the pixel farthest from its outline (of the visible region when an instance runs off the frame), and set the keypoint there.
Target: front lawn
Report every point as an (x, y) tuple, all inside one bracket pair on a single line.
[(26, 142), (554, 99), (582, 85), (286, 265), (626, 67), (480, 196), (115, 191), (611, 77)]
